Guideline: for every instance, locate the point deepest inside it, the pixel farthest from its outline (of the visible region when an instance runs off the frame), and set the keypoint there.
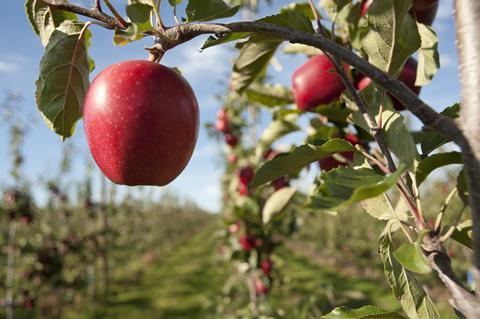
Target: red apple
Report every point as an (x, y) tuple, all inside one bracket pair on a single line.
[(245, 175), (243, 189), (141, 123), (266, 266), (260, 287), (364, 7), (330, 162), (221, 125), (407, 77), (280, 183), (316, 82), (231, 139), (232, 158), (234, 228), (246, 242)]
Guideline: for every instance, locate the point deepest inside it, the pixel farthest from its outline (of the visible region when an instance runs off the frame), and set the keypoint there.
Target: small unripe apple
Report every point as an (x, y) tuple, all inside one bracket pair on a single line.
[(330, 162), (316, 82), (266, 266), (231, 140), (407, 77), (141, 123)]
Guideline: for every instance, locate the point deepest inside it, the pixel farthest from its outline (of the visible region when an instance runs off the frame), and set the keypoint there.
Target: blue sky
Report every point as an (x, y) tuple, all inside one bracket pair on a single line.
[(20, 53)]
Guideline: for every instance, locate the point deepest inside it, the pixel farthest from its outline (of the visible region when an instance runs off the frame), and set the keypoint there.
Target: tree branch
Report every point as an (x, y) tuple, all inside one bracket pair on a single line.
[(463, 300), (468, 25), (445, 126), (94, 13)]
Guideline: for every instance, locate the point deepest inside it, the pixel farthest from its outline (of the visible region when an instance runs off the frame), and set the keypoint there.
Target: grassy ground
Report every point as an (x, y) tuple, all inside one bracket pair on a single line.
[(179, 286), (184, 283)]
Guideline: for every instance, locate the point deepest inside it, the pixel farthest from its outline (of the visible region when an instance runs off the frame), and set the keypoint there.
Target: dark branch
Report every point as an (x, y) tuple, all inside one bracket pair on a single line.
[(463, 300), (94, 13), (445, 126)]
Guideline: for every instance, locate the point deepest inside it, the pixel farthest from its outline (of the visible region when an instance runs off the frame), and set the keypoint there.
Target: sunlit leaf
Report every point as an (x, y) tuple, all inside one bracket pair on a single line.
[(297, 159), (63, 80)]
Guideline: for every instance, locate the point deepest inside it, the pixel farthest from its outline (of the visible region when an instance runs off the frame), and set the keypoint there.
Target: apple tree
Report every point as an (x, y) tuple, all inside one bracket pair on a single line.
[(358, 80)]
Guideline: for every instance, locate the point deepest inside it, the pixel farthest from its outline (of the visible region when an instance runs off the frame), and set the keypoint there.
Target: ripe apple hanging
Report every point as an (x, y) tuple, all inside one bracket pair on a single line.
[(316, 82), (141, 123)]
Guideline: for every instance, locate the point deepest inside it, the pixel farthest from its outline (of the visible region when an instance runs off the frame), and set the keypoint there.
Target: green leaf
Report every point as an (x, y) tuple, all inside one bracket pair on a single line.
[(270, 95), (174, 3), (428, 57), (274, 131), (378, 207), (45, 19), (412, 259), (346, 185), (303, 8), (432, 162), (366, 312), (463, 234), (253, 61), (333, 7), (63, 80), (139, 15), (397, 136), (415, 302), (206, 10), (291, 19), (216, 40), (276, 203), (430, 140), (392, 35), (298, 159)]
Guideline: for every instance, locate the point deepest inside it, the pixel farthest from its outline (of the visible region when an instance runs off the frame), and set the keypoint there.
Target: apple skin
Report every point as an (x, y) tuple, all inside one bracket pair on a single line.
[(266, 266), (330, 162), (260, 287), (316, 82), (424, 11), (407, 77), (141, 123), (221, 124), (231, 139), (245, 175), (280, 183), (247, 242)]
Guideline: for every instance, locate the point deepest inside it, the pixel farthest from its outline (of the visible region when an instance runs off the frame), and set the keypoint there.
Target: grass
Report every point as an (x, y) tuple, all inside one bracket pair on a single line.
[(184, 283)]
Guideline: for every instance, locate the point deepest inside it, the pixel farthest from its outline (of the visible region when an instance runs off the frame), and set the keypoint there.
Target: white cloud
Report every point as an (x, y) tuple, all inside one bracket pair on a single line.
[(207, 64), (7, 66), (210, 149)]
